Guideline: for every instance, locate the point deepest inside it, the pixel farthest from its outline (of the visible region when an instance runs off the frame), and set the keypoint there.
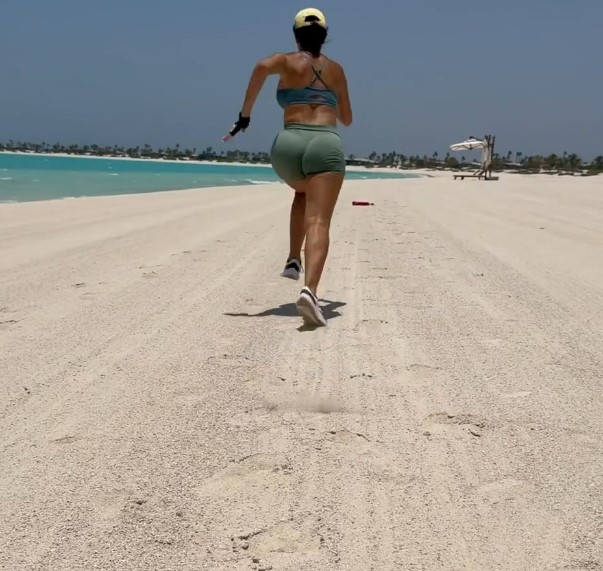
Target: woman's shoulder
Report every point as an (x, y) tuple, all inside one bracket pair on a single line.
[(335, 65), (292, 55), (335, 69), (297, 61), (297, 55)]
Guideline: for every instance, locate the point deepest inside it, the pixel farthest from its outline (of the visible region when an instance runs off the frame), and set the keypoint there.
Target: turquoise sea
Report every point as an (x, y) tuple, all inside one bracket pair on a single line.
[(26, 178)]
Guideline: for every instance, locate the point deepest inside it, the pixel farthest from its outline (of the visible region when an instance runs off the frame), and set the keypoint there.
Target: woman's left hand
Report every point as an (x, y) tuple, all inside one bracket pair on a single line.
[(241, 124)]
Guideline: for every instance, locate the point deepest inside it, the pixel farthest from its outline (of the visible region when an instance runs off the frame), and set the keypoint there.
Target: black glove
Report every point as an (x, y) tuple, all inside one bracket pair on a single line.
[(240, 125)]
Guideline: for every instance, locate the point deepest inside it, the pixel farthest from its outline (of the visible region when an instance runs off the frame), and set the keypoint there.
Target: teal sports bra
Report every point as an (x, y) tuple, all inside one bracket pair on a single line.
[(307, 95)]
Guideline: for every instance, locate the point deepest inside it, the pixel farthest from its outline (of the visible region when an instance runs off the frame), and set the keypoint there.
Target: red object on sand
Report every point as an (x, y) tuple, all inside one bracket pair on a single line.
[(362, 203)]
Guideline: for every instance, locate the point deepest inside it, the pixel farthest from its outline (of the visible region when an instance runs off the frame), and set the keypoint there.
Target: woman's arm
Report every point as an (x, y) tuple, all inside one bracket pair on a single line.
[(268, 66), (344, 107)]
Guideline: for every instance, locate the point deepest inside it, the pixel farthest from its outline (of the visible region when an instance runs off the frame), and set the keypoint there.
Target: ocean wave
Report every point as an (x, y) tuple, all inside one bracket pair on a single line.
[(112, 174), (251, 181), (6, 178), (8, 201)]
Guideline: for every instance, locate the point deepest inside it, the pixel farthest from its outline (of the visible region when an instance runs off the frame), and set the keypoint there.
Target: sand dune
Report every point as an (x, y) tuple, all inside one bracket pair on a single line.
[(161, 409)]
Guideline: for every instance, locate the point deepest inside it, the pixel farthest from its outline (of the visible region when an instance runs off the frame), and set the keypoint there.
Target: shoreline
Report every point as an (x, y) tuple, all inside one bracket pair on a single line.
[(354, 168), (182, 192), (217, 177), (419, 172), (438, 178)]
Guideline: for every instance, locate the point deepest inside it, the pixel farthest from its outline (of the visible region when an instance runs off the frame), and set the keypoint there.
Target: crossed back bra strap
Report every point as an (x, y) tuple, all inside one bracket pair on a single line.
[(318, 75)]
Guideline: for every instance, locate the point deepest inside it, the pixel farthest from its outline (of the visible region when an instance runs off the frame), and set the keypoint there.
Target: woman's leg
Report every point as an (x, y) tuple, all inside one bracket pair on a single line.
[(322, 191), (286, 156), (297, 231)]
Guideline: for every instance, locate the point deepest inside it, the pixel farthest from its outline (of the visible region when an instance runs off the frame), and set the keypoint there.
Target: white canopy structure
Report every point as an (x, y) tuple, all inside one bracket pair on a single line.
[(469, 145), (487, 146)]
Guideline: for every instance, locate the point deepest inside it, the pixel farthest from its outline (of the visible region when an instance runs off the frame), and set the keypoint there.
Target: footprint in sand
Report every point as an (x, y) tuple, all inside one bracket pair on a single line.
[(5, 322), (306, 403), (252, 419), (584, 565), (346, 437), (498, 488), (494, 342), (443, 422), (230, 361), (373, 325), (419, 374), (503, 490), (383, 277), (65, 440), (349, 440), (362, 376), (518, 395), (248, 476), (284, 537), (366, 453)]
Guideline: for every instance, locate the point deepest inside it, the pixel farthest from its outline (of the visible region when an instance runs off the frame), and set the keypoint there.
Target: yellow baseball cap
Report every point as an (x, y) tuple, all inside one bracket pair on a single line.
[(308, 17)]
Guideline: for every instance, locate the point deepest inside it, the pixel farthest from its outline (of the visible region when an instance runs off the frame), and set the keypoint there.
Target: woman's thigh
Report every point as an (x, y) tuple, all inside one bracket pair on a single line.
[(322, 192)]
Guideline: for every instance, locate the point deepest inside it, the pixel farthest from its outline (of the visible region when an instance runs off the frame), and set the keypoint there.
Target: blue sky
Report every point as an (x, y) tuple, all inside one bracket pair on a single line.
[(422, 74)]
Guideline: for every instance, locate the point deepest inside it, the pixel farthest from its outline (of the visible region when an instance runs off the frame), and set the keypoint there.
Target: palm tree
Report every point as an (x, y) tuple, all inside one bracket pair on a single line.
[(552, 161), (574, 161)]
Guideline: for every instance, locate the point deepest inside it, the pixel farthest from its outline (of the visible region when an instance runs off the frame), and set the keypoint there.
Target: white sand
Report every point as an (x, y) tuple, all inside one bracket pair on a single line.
[(160, 409)]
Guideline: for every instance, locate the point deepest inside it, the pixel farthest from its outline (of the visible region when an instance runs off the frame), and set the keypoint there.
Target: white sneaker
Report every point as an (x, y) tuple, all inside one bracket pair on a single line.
[(293, 269), (308, 308)]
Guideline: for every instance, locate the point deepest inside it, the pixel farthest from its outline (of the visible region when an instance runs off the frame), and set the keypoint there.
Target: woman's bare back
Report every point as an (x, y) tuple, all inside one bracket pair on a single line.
[(302, 70)]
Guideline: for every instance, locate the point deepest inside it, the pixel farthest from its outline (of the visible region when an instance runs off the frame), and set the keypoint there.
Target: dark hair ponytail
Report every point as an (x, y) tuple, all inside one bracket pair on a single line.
[(311, 38)]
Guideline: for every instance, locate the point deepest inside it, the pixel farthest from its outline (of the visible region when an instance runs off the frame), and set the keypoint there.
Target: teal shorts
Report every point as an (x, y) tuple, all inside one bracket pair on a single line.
[(302, 150)]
